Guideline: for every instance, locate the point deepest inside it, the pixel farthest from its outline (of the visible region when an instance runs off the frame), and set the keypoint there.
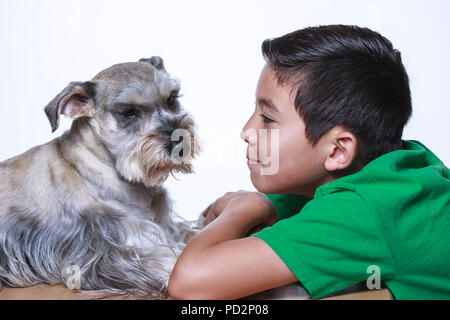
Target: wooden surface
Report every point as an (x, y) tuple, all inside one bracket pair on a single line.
[(289, 292), (47, 292)]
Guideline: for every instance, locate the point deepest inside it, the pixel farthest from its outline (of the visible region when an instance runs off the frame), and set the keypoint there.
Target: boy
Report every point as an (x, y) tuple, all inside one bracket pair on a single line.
[(349, 195)]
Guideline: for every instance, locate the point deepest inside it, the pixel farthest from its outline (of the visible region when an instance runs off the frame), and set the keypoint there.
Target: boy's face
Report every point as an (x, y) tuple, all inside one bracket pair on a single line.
[(300, 168)]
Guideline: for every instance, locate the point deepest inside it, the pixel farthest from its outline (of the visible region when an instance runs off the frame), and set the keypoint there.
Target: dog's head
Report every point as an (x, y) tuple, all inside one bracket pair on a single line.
[(134, 110)]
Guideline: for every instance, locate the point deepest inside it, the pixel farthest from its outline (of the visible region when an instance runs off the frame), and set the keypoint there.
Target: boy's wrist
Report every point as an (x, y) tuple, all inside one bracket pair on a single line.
[(241, 215), (232, 224), (250, 213)]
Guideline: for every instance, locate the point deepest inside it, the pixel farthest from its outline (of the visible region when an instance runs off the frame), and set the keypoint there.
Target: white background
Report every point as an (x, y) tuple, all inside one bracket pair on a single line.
[(214, 49)]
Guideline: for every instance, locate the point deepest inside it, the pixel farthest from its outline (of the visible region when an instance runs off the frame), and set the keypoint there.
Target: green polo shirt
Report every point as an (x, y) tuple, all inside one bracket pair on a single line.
[(391, 219)]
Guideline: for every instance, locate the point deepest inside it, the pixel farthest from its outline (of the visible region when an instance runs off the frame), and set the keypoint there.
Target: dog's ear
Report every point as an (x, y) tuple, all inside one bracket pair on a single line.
[(75, 101), (155, 61)]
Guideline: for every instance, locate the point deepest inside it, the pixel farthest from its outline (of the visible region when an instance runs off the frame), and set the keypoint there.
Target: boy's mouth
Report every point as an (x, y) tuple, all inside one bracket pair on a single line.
[(251, 162)]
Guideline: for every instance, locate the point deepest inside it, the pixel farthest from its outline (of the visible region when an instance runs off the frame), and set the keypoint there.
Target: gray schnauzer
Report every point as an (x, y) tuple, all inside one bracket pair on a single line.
[(90, 203)]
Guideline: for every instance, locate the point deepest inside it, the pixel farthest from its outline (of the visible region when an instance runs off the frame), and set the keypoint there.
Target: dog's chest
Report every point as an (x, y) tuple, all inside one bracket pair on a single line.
[(148, 203)]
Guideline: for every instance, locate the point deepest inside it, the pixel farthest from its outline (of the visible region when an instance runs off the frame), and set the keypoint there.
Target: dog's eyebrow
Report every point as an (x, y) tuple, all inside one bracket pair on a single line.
[(268, 104), (135, 96), (121, 105)]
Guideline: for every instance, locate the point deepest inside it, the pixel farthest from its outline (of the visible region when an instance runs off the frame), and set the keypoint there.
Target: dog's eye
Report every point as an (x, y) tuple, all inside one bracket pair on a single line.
[(130, 113), (171, 99)]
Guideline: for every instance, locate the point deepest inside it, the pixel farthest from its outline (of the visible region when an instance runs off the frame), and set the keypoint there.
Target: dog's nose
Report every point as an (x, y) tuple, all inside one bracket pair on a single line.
[(170, 129), (171, 144)]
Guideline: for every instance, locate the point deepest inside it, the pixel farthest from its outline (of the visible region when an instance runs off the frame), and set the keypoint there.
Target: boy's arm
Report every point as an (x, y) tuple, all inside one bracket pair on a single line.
[(221, 263)]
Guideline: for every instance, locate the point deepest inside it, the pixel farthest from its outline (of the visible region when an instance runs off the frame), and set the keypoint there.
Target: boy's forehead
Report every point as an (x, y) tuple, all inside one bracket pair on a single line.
[(270, 94), (268, 103), (268, 76)]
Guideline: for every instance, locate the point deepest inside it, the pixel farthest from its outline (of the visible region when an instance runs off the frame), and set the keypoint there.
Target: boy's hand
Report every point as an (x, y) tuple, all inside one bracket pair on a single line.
[(254, 207)]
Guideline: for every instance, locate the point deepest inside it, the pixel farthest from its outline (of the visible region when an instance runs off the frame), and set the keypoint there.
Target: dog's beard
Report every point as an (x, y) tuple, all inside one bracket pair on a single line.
[(149, 163), (157, 164)]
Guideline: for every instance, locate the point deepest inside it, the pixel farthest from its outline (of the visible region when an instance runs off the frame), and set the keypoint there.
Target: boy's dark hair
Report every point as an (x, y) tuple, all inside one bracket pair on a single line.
[(347, 76)]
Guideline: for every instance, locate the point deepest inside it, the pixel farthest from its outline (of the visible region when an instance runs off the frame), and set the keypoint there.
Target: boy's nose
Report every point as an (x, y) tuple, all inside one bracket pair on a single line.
[(249, 135), (243, 136)]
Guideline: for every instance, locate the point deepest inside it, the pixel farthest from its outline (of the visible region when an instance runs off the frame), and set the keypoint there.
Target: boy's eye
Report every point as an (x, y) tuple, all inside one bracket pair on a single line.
[(130, 113), (266, 119)]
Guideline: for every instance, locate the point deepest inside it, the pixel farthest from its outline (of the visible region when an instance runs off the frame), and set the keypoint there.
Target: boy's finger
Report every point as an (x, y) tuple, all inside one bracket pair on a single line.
[(205, 212), (210, 217)]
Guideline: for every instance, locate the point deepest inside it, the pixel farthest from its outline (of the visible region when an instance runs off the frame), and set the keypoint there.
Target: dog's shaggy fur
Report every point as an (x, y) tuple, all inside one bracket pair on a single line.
[(92, 200)]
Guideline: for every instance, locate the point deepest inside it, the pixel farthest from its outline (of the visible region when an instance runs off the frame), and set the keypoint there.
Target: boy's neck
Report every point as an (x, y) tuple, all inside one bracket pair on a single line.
[(355, 167)]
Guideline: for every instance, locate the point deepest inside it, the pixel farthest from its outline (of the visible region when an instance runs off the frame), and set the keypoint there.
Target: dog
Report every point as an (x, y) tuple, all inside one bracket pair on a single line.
[(88, 208)]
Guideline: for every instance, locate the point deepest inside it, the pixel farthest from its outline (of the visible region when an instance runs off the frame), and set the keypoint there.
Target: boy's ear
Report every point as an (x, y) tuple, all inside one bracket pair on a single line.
[(342, 152), (76, 100)]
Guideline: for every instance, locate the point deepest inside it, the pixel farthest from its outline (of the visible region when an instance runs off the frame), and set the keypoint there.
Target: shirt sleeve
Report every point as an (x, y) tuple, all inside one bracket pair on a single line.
[(332, 243), (288, 204)]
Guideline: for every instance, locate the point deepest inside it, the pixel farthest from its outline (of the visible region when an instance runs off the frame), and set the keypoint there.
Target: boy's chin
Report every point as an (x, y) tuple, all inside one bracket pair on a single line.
[(265, 183), (272, 184)]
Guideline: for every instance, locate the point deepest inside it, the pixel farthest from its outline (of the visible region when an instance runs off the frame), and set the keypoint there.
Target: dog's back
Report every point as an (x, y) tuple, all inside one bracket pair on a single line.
[(30, 180), (16, 175)]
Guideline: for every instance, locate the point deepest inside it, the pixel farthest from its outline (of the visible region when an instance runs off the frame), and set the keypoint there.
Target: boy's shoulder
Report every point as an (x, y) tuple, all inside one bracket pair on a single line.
[(394, 174)]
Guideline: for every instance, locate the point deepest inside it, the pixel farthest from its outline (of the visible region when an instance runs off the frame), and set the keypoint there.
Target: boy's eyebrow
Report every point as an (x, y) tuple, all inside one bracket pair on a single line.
[(268, 104)]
